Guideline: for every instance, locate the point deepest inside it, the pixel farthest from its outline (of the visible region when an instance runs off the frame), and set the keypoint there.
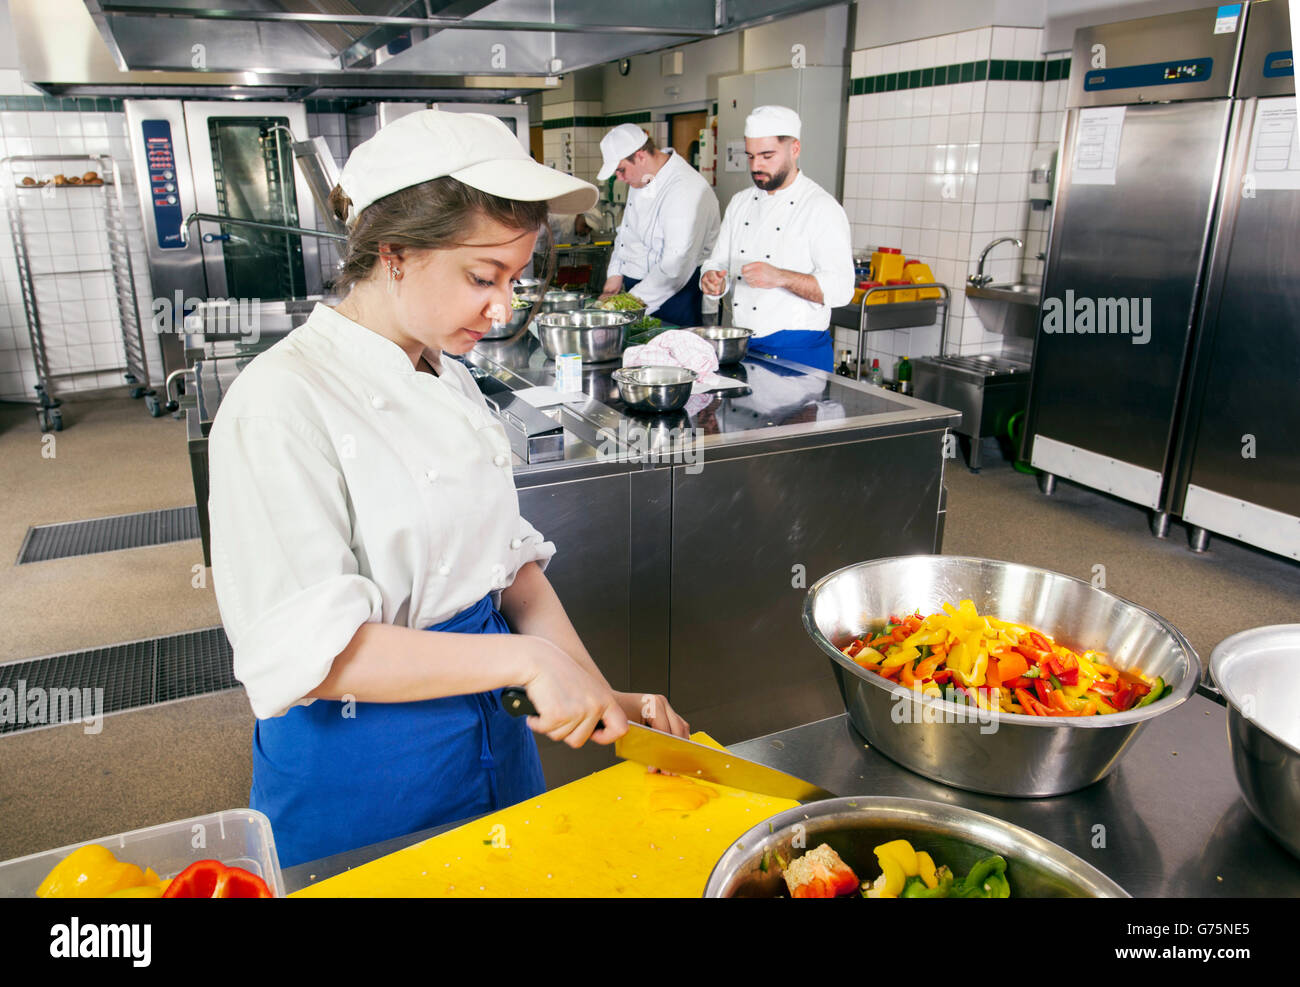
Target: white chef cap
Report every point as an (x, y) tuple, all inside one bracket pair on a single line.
[(773, 121)]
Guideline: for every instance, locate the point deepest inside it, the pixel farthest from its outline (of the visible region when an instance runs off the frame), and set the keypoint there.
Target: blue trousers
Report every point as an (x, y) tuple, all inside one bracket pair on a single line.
[(809, 347)]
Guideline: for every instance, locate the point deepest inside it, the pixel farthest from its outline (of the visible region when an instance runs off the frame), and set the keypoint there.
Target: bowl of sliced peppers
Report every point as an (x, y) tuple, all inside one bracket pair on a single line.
[(992, 676), (880, 847)]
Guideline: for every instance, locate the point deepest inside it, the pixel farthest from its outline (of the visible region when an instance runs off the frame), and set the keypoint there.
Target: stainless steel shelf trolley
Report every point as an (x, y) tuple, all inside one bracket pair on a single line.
[(19, 197)]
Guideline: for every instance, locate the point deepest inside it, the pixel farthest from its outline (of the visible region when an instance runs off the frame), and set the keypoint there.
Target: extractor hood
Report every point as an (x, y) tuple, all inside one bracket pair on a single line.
[(368, 44)]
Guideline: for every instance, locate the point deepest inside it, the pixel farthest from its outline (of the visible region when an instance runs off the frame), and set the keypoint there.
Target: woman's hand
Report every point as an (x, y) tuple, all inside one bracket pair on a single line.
[(569, 701)]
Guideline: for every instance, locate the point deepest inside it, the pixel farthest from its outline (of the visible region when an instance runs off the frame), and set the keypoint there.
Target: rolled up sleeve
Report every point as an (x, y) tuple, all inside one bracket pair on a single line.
[(286, 579), (832, 254)]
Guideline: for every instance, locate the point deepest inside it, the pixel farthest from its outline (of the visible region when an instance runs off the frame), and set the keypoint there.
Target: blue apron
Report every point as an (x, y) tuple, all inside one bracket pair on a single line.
[(331, 782), (684, 308), (810, 347)]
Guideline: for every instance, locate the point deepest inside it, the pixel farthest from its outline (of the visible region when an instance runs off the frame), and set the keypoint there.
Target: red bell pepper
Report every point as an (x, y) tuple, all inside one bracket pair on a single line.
[(1043, 688), (943, 676), (213, 879)]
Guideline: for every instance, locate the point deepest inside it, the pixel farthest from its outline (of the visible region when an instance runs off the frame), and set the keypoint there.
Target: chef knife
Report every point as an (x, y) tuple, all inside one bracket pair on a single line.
[(686, 757)]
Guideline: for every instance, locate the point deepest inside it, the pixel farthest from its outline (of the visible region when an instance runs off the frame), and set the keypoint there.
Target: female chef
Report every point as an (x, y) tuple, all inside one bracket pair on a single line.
[(362, 497)]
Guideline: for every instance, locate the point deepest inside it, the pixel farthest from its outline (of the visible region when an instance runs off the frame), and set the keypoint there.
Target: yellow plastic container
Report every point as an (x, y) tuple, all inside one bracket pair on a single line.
[(886, 264), (877, 298), (917, 272), (902, 294)]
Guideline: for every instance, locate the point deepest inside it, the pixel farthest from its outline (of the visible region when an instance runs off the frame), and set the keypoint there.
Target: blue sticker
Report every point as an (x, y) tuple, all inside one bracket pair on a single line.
[(1230, 10)]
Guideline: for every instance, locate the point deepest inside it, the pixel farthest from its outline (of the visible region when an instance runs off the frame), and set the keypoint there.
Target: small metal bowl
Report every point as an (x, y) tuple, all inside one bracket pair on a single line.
[(730, 344), (1008, 754), (599, 337), (563, 301), (854, 827), (655, 389), (1255, 671)]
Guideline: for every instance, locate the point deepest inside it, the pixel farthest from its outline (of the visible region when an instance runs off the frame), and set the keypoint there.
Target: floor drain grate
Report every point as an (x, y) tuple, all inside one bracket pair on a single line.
[(109, 534), (132, 676)]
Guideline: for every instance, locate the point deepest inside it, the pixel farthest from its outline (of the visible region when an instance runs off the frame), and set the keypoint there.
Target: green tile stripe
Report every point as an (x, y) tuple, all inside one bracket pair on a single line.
[(60, 104), (560, 122), (992, 70), (614, 119)]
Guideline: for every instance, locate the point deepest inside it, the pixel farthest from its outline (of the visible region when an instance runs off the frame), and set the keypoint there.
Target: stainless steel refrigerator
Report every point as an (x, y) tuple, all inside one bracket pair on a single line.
[(1237, 468), (1150, 117)]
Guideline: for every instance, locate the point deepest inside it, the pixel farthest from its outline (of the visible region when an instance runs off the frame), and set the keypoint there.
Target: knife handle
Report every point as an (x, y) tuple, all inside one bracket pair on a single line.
[(515, 701)]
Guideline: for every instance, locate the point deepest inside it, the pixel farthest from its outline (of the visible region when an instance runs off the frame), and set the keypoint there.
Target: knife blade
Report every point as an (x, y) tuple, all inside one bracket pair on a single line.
[(655, 748)]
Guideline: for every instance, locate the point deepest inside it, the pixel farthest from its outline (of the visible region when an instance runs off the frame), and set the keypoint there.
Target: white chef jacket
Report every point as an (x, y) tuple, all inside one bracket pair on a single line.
[(668, 227), (800, 228), (347, 487)]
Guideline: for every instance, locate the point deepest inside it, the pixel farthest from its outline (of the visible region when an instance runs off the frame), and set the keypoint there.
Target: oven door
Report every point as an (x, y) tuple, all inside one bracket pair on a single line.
[(243, 165)]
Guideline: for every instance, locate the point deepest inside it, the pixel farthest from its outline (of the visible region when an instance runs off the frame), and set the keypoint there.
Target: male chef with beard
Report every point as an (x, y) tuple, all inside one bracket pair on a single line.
[(784, 246)]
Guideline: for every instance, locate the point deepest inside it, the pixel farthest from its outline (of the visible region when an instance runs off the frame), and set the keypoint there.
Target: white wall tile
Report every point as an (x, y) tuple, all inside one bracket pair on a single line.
[(1028, 44), (1003, 43), (945, 49), (925, 53)]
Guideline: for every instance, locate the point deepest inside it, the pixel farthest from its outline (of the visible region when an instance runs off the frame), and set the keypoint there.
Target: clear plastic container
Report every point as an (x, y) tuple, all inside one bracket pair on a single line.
[(236, 837)]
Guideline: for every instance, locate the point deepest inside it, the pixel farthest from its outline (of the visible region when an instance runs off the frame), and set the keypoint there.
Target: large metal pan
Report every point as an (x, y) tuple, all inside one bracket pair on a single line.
[(1256, 672), (854, 827), (1010, 754)]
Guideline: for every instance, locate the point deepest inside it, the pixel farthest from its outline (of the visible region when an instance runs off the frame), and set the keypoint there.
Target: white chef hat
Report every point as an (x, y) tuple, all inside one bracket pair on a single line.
[(473, 148), (621, 142), (773, 121)]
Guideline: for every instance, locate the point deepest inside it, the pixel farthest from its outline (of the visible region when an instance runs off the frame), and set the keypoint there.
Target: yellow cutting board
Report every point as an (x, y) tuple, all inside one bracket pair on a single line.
[(621, 832)]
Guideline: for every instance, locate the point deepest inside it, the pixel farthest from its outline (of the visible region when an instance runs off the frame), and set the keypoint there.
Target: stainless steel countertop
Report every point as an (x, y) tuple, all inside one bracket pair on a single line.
[(786, 405), (1171, 817)]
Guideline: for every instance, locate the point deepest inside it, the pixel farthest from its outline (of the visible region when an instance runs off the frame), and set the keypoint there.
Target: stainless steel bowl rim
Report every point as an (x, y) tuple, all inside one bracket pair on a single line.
[(878, 806), (561, 320), (1178, 695), (723, 332), (1231, 647), (632, 375)]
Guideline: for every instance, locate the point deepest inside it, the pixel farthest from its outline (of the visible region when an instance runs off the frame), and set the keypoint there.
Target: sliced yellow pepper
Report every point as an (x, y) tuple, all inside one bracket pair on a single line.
[(92, 871), (926, 868)]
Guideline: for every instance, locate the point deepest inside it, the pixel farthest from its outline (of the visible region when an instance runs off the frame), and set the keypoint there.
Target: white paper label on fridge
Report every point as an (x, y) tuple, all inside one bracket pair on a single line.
[(736, 159), (1096, 151), (1274, 152), (1225, 20)]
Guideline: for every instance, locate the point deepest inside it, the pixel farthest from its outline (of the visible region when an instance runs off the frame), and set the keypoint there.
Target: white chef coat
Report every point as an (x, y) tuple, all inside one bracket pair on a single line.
[(669, 226), (347, 487), (800, 228)]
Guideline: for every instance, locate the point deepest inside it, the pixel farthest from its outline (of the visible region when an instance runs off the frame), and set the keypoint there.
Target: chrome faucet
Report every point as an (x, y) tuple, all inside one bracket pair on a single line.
[(979, 279)]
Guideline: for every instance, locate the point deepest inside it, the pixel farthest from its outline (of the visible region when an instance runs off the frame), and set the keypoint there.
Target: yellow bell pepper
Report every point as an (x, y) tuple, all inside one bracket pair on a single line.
[(925, 867), (92, 871)]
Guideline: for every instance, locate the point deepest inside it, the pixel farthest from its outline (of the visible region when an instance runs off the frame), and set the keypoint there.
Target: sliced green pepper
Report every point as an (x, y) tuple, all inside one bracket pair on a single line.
[(986, 880), (1156, 692), (915, 887)]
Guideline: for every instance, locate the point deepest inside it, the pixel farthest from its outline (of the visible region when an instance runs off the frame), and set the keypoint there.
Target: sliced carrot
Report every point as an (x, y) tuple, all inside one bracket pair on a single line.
[(1012, 665)]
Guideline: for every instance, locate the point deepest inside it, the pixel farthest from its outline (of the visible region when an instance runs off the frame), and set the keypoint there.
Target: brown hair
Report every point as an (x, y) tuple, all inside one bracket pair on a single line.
[(433, 215)]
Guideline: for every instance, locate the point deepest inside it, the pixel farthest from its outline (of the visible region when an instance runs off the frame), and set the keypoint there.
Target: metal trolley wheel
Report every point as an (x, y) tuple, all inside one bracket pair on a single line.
[(51, 419)]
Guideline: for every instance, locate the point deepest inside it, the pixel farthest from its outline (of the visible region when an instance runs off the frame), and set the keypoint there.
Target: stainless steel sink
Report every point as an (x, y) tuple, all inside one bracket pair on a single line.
[(1009, 309)]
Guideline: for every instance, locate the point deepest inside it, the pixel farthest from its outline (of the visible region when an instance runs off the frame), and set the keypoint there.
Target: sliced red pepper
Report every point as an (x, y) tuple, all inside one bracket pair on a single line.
[(1040, 642), (943, 676), (1020, 682), (213, 879), (1103, 688), (1069, 676), (1054, 665), (1027, 702), (1043, 688)]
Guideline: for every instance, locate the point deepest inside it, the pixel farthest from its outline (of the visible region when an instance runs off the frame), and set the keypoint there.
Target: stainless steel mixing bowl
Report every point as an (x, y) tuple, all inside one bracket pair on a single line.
[(730, 344), (854, 827), (1007, 754), (656, 390), (1256, 672), (637, 314), (598, 336)]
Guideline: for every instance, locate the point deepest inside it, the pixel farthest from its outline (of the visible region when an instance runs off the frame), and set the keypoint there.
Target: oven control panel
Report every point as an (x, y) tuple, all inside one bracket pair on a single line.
[(167, 217)]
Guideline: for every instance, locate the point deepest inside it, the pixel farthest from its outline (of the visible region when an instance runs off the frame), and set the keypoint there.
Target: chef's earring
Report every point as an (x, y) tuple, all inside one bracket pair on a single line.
[(394, 275)]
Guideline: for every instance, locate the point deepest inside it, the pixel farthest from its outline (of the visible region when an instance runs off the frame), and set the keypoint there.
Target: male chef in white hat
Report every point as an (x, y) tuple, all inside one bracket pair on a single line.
[(668, 227), (785, 246)]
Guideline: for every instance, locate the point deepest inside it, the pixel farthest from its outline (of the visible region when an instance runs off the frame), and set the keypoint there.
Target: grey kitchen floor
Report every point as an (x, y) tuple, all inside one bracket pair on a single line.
[(61, 785)]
